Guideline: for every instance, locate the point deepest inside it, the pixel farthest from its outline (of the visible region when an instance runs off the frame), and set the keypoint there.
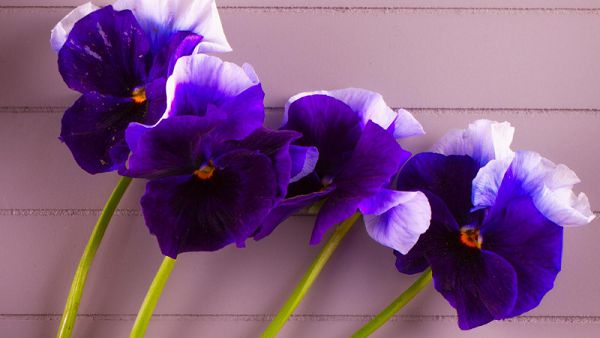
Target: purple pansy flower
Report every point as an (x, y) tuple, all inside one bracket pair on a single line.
[(119, 57), (214, 172), (495, 240), (349, 158)]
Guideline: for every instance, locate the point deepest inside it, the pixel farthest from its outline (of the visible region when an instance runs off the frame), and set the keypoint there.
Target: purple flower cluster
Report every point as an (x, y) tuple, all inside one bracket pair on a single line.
[(486, 219)]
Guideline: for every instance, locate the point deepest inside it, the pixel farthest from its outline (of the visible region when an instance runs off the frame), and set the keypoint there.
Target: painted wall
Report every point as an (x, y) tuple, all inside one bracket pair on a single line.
[(535, 63)]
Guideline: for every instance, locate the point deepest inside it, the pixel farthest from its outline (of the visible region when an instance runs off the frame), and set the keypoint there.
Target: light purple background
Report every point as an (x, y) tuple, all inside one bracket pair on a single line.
[(535, 63)]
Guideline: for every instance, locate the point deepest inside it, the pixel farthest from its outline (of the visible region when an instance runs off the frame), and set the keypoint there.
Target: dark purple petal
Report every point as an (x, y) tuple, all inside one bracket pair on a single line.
[(176, 146), (275, 145), (105, 52), (448, 177), (189, 214), (328, 124), (170, 50), (443, 225), (481, 285), (288, 207), (375, 159), (243, 113), (531, 243), (93, 126), (156, 101)]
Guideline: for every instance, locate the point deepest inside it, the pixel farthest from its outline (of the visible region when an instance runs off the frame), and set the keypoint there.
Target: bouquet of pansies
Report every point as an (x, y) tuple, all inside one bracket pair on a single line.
[(482, 221)]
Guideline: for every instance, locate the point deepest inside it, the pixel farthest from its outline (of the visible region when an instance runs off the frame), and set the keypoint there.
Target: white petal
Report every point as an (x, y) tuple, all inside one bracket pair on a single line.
[(213, 75), (487, 182), (61, 31), (549, 185), (396, 219), (406, 125), (197, 16), (369, 105), (483, 140)]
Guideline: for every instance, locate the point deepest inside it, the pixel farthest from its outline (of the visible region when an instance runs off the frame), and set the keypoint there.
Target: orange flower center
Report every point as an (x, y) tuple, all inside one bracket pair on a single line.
[(139, 95), (470, 237), (205, 172)]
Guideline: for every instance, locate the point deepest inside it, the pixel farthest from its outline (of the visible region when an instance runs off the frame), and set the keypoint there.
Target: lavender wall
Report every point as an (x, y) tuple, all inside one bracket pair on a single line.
[(535, 63)]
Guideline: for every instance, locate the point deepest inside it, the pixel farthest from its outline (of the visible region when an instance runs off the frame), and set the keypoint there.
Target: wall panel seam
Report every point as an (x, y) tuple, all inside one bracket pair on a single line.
[(369, 9), (463, 110), (304, 318)]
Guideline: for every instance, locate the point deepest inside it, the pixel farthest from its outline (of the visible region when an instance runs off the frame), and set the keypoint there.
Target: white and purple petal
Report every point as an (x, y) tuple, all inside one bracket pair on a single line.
[(165, 17), (102, 54), (369, 106), (201, 80), (304, 161), (529, 174), (374, 161), (483, 140), (396, 219), (60, 32)]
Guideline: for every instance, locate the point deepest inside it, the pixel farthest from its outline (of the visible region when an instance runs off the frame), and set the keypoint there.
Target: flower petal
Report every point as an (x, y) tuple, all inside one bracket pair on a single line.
[(531, 243), (406, 125), (369, 106), (165, 17), (304, 161), (95, 124), (529, 174), (102, 54), (448, 177), (201, 80), (433, 240), (288, 207), (481, 286), (176, 146), (374, 161), (483, 140), (61, 31), (329, 125), (276, 146), (179, 44), (396, 219), (188, 214)]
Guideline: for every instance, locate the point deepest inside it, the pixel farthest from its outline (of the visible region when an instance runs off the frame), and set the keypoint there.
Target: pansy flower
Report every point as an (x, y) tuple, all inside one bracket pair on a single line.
[(495, 240), (349, 157), (119, 57), (214, 172)]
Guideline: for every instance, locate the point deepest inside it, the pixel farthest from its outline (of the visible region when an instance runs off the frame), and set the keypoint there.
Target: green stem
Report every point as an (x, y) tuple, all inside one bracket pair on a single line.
[(309, 277), (67, 322), (143, 317), (395, 306)]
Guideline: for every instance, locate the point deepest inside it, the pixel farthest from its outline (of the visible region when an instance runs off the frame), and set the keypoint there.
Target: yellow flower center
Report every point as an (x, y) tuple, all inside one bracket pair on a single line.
[(205, 172), (139, 95), (470, 237)]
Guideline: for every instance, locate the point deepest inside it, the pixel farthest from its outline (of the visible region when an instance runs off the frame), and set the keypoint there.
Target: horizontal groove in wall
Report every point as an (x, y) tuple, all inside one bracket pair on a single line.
[(300, 318), (82, 212), (96, 212), (374, 9), (457, 110)]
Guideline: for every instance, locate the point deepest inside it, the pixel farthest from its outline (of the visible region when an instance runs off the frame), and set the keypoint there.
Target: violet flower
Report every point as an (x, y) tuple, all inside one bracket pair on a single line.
[(214, 172), (496, 236), (350, 157), (119, 57)]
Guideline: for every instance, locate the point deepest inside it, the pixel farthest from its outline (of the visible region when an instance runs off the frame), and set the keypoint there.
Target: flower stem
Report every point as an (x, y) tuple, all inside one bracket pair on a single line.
[(143, 317), (395, 306), (67, 322), (309, 277)]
